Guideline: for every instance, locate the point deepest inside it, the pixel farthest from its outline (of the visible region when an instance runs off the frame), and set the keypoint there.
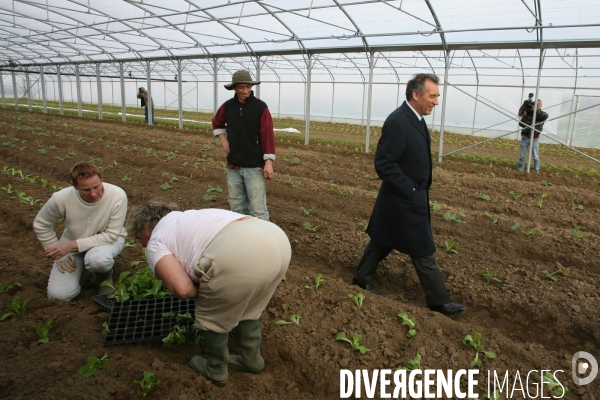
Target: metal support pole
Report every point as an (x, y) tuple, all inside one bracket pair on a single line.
[(2, 90), (279, 100), (444, 98), (369, 99), (535, 100), (150, 102), (78, 87), (61, 106), (215, 87), (571, 129), (362, 109), (99, 89), (307, 101), (15, 91), (571, 125), (179, 94), (123, 107), (257, 94), (43, 83), (475, 109), (332, 101), (28, 91)]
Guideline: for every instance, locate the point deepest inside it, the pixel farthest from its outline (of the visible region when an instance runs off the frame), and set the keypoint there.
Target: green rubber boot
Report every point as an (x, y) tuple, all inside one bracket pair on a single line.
[(250, 338), (213, 364)]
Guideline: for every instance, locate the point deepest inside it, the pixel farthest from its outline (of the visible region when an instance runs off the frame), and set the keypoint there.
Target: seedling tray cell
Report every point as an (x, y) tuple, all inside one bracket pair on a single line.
[(137, 321)]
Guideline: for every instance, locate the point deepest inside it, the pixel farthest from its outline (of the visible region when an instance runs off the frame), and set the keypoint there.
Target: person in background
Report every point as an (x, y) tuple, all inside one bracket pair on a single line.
[(229, 262), (94, 213), (143, 95), (245, 127), (526, 114), (401, 217)]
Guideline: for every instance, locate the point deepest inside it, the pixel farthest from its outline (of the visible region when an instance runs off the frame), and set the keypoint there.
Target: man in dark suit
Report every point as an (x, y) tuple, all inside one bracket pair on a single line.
[(401, 218)]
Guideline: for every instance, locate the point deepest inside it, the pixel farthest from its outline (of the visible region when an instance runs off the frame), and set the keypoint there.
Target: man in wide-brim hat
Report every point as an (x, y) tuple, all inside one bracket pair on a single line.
[(245, 128)]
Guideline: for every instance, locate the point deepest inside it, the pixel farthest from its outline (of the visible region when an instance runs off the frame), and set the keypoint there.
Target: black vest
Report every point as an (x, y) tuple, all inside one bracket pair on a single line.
[(243, 131)]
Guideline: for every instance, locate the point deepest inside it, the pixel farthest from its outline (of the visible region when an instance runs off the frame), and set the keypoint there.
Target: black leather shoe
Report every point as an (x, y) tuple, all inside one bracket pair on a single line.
[(449, 308), (368, 288)]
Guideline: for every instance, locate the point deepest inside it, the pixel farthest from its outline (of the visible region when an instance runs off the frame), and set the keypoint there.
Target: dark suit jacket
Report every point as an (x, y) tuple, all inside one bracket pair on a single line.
[(401, 218)]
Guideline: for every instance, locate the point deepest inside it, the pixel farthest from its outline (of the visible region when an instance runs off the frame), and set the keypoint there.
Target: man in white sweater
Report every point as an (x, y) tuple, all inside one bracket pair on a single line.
[(94, 214)]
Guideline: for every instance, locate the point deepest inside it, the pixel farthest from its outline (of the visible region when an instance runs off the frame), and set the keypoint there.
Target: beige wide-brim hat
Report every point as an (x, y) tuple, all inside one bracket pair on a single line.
[(241, 76)]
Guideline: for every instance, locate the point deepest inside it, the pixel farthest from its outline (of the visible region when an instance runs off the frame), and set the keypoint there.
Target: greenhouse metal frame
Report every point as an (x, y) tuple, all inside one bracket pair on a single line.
[(305, 52)]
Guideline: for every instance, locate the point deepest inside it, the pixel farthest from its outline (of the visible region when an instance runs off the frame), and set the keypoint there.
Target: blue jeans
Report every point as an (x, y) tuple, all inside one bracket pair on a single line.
[(525, 141), (146, 114), (247, 192)]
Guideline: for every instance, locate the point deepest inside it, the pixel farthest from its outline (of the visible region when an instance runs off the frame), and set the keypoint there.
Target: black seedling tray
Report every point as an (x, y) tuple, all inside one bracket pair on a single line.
[(103, 302), (137, 321)]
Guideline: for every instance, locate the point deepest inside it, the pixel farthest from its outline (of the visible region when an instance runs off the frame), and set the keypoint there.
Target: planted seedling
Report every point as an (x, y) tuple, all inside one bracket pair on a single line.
[(318, 282), (294, 319), (4, 288), (177, 335), (489, 276), (149, 382), (515, 195), (93, 364), (528, 232), (295, 161), (16, 306), (435, 206), (495, 219), (411, 323), (552, 275), (363, 225), (355, 342), (42, 331), (358, 299), (576, 206), (540, 202), (483, 196), (553, 384), (105, 329), (313, 228), (451, 247), (576, 233), (307, 212), (125, 178), (448, 216), (476, 343), (166, 186), (546, 183), (412, 364)]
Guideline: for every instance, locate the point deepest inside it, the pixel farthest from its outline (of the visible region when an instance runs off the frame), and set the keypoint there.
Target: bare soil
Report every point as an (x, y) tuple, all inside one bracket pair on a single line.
[(529, 321)]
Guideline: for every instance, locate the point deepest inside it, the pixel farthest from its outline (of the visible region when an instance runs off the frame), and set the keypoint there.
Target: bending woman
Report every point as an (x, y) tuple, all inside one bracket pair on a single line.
[(231, 263)]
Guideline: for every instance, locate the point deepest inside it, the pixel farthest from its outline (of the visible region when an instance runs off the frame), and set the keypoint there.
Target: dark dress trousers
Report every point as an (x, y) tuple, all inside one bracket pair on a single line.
[(401, 217)]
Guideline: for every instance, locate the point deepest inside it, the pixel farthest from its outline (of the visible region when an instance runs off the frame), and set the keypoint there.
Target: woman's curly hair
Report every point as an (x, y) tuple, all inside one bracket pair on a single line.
[(147, 215)]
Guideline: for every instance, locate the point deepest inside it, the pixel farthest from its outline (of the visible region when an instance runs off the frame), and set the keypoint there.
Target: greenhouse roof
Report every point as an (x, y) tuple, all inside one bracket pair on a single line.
[(67, 31)]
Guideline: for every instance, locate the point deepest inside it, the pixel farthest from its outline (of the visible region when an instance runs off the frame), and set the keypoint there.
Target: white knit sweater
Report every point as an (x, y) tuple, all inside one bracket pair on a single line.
[(91, 224)]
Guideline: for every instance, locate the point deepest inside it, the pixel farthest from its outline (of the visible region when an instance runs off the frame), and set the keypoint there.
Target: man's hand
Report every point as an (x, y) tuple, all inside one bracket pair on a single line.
[(225, 143), (268, 170), (66, 264), (60, 250)]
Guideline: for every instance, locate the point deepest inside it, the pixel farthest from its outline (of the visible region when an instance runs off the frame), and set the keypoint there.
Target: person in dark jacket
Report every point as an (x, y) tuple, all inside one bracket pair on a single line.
[(245, 127), (525, 123), (401, 218), (143, 95)]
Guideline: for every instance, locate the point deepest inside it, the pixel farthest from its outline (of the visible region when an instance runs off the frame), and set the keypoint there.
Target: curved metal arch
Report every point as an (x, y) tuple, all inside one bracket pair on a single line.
[(139, 5), (102, 50), (226, 26), (358, 30), (294, 36)]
